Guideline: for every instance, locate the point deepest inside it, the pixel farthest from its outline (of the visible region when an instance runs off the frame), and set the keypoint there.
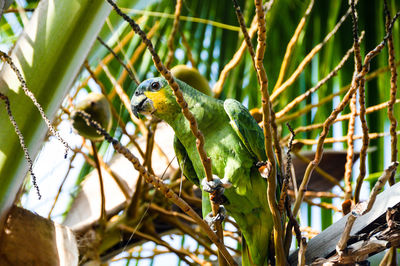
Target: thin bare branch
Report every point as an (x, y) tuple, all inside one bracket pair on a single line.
[(344, 117), (328, 98), (286, 179), (217, 89), (316, 194), (291, 45), (189, 53), (320, 83), (323, 205), (350, 148), (379, 185), (302, 252), (171, 38), (342, 139), (308, 58), (393, 91), (21, 142), (102, 218), (361, 98), (353, 108), (267, 128), (180, 253), (130, 73), (61, 185), (247, 37)]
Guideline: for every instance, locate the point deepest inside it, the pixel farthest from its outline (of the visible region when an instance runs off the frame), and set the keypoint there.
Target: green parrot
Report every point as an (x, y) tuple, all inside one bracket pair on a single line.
[(235, 143)]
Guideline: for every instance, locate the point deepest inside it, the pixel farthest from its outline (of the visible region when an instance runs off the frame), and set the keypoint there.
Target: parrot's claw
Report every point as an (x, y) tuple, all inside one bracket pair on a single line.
[(212, 220), (216, 185)]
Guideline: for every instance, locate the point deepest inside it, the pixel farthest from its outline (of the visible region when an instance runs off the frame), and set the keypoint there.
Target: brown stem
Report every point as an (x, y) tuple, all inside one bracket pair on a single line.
[(393, 92), (171, 39), (130, 73), (291, 44), (266, 107), (102, 219), (307, 59)]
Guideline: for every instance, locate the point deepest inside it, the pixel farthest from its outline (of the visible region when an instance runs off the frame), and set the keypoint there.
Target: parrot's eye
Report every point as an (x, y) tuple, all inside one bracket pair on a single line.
[(155, 86)]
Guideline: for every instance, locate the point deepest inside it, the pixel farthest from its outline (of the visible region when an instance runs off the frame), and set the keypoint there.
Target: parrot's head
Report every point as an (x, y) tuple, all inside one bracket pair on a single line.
[(154, 97)]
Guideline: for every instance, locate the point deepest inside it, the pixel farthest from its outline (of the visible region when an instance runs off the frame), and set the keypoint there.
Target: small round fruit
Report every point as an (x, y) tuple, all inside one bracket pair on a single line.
[(192, 77), (97, 106)]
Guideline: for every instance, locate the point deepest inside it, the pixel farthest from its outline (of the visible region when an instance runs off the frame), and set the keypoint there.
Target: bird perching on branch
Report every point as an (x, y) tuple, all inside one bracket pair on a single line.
[(235, 144)]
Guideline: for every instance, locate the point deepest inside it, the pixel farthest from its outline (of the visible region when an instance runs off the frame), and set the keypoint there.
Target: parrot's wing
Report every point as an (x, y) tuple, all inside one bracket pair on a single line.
[(184, 162), (247, 128), (188, 171)]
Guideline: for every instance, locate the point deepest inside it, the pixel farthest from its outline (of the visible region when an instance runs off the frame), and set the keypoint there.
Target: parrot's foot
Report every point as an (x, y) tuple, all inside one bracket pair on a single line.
[(216, 187), (264, 168), (212, 220)]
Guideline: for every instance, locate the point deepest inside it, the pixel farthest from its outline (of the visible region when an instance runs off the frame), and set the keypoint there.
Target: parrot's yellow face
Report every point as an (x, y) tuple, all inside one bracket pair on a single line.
[(153, 97)]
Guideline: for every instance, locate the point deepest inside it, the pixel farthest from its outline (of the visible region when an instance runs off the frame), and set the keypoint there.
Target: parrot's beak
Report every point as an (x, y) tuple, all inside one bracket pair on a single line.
[(135, 111), (141, 104)]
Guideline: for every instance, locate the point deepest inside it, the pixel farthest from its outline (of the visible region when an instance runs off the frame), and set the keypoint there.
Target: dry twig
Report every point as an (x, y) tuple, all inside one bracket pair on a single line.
[(171, 39), (21, 142), (247, 36), (130, 73), (308, 58), (286, 179), (323, 81), (369, 110), (322, 205), (350, 148), (291, 44), (188, 50), (102, 218), (267, 128), (180, 253), (393, 91), (342, 139), (302, 252), (329, 98), (217, 89), (316, 194), (361, 98)]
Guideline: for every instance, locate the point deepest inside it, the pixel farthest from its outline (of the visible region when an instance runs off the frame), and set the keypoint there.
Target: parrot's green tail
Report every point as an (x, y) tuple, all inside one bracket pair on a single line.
[(256, 238), (246, 257)]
